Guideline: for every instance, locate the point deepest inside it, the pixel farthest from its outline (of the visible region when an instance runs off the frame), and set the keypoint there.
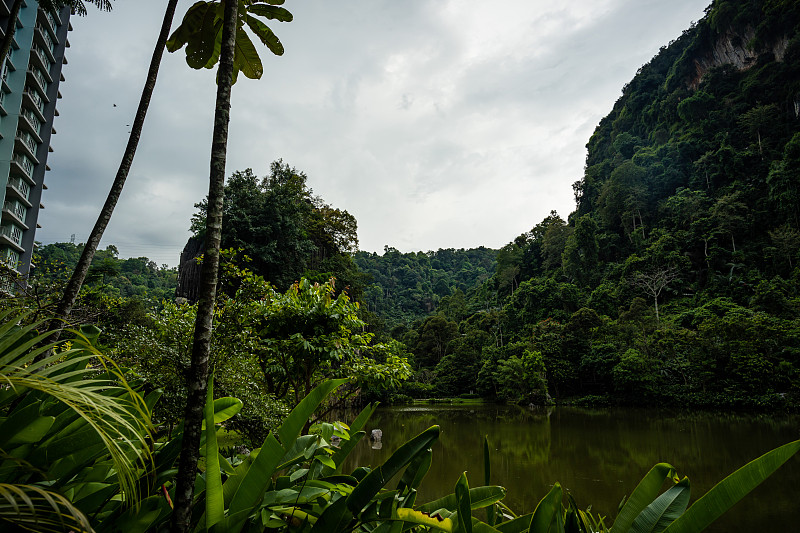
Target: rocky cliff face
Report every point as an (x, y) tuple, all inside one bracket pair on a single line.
[(731, 49)]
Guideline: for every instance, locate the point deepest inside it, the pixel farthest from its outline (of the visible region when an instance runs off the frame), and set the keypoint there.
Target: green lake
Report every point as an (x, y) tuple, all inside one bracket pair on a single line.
[(598, 455)]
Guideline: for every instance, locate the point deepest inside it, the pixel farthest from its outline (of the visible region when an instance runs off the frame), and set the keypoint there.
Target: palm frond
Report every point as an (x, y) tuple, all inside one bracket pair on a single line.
[(36, 509), (89, 384), (78, 7)]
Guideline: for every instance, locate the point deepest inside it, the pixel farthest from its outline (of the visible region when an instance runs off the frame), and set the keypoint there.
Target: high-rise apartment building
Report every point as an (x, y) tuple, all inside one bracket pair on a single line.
[(30, 77)]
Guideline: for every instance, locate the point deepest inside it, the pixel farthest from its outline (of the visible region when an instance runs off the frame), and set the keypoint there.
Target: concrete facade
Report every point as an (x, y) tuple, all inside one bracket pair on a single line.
[(30, 78)]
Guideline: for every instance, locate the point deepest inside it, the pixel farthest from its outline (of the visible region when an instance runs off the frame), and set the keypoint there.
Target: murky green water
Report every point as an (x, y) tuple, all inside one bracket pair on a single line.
[(598, 455)]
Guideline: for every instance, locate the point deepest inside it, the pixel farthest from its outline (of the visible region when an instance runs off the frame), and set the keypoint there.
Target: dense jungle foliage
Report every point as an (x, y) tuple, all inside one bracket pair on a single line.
[(675, 280)]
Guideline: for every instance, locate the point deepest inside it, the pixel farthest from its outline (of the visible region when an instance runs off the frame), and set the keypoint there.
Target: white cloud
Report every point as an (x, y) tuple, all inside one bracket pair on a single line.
[(436, 123)]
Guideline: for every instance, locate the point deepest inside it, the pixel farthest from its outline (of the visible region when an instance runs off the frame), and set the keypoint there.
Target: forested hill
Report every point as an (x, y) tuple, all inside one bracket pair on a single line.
[(701, 146), (676, 279), (403, 287)]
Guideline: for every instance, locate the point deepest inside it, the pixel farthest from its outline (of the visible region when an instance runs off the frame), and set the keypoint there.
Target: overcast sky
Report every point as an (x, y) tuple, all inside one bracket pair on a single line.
[(436, 123)]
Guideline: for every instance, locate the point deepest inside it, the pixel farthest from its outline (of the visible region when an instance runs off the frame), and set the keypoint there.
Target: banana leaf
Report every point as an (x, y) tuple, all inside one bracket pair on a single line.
[(479, 497), (215, 506), (463, 506), (664, 509), (730, 490), (491, 516), (645, 492), (374, 481), (547, 511), (253, 481)]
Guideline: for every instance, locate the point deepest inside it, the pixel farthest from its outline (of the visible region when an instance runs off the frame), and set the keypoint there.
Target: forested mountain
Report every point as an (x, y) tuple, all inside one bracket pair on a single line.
[(404, 287), (135, 277), (675, 280)]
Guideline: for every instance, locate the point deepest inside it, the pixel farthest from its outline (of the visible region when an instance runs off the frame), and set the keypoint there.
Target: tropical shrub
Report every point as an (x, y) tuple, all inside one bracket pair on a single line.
[(75, 436)]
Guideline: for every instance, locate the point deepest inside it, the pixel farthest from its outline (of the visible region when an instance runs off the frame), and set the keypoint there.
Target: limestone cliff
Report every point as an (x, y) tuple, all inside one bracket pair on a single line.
[(732, 48)]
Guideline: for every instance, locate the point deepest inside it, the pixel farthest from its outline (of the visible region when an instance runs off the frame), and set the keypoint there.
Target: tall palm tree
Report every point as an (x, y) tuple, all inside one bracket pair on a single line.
[(211, 38), (75, 283), (77, 6), (198, 370)]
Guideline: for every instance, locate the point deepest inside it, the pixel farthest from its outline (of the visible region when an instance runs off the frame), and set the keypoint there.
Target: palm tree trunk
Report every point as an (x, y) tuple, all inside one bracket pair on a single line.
[(82, 268), (11, 28), (198, 370)]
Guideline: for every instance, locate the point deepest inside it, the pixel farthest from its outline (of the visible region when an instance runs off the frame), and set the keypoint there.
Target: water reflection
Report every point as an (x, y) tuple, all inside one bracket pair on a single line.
[(598, 455)]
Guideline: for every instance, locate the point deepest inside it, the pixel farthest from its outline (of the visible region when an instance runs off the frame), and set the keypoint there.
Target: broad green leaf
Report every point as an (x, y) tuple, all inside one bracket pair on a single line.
[(487, 479), (344, 450), (482, 527), (644, 493), (325, 460), (192, 22), (356, 434), (257, 477), (377, 479), (363, 417), (200, 44), (271, 12), (266, 35), (583, 519), (302, 449), (90, 502), (664, 510), (326, 430), (293, 425), (140, 520), (479, 497), (730, 490), (297, 474), (333, 518), (71, 443), (516, 525), (547, 511), (215, 506), (224, 409), (424, 519), (245, 58), (415, 472), (25, 426), (463, 504)]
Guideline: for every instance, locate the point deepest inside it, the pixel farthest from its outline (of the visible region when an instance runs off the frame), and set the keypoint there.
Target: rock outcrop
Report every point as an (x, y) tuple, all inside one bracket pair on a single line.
[(189, 270), (732, 49)]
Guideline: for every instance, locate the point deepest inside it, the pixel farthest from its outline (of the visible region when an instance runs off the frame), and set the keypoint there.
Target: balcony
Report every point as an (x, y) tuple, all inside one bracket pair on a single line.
[(44, 19), (37, 81), (8, 66), (46, 22), (42, 37), (31, 123), (39, 60), (21, 166), (26, 144), (10, 258), (32, 101), (19, 189), (11, 236), (15, 212)]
